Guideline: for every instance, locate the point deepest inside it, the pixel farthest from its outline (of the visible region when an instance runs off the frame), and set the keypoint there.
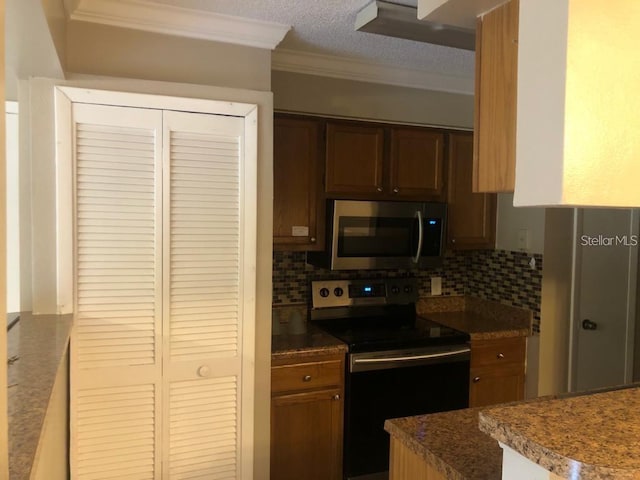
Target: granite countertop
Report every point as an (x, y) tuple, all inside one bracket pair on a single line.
[(451, 443), (481, 319), (595, 436), (39, 342), (312, 342)]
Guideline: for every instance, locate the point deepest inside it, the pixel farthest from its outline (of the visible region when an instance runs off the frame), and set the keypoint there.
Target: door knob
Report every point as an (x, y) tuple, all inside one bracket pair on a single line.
[(379, 189), (589, 325), (396, 190), (204, 371)]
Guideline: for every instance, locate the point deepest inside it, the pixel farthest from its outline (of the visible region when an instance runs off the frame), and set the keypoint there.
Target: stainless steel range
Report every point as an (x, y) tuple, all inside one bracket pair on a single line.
[(398, 364)]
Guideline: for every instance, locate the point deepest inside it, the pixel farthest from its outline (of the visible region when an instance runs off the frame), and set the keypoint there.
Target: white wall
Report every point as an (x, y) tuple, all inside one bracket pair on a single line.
[(295, 92), (512, 220), (13, 210)]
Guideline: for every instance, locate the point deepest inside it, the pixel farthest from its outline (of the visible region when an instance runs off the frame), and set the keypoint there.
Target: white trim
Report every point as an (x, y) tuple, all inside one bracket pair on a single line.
[(160, 102), (11, 106), (364, 71), (64, 203), (249, 289), (184, 22)]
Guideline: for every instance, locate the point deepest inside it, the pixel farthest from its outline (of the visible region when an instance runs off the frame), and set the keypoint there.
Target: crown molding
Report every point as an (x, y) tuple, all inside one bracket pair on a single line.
[(371, 72), (171, 20)]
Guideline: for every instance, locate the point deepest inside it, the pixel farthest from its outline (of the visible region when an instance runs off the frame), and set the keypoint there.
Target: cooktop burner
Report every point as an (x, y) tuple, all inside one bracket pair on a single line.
[(374, 315)]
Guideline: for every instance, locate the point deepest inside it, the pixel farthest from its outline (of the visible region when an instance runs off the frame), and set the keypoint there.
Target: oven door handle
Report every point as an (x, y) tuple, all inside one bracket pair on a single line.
[(378, 363), (416, 258), (412, 357)]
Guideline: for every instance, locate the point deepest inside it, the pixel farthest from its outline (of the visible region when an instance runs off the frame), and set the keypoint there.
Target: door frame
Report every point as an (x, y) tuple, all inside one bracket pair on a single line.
[(64, 97)]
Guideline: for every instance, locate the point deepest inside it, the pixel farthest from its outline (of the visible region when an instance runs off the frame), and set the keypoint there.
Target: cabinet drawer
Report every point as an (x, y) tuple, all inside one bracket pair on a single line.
[(306, 376), (498, 351)]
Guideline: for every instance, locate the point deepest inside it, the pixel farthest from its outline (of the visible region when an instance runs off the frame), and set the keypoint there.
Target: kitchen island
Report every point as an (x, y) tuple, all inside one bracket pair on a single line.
[(442, 446), (590, 436)]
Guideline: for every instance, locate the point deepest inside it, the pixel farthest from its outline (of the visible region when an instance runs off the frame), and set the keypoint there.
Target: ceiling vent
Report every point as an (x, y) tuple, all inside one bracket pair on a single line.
[(401, 21)]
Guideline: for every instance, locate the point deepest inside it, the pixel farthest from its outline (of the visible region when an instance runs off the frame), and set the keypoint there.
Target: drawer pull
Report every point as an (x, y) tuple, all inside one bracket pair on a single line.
[(476, 379), (306, 378), (500, 356), (336, 397)]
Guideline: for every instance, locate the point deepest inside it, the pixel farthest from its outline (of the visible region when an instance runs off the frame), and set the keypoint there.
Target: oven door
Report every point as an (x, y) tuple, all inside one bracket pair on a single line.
[(392, 384), (375, 235)]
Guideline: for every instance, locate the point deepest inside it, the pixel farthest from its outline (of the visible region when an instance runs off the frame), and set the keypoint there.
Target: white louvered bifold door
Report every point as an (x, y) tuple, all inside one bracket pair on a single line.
[(203, 314), (116, 361)]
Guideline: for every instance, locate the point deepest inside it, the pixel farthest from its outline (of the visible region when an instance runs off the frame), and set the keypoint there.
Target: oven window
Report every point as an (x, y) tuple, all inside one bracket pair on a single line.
[(377, 237)]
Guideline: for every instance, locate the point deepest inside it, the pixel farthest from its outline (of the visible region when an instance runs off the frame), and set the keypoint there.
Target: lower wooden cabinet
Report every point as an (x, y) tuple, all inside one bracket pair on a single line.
[(497, 371), (306, 418)]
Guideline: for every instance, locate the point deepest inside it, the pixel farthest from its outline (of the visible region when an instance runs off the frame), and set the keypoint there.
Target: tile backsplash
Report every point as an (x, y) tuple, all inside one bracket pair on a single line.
[(498, 275)]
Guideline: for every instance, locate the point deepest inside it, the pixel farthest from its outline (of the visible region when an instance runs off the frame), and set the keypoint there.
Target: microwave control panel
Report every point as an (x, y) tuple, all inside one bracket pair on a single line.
[(347, 293)]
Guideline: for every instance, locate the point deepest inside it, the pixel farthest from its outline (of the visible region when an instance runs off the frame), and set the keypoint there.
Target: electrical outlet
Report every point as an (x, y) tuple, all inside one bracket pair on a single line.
[(436, 286)]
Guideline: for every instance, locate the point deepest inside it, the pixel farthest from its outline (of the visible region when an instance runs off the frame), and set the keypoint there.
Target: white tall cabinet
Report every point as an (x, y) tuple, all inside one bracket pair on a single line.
[(163, 290)]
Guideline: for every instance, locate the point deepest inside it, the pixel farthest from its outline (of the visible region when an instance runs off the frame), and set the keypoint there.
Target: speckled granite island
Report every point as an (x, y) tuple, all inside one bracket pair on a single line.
[(443, 446), (590, 437), (38, 396)]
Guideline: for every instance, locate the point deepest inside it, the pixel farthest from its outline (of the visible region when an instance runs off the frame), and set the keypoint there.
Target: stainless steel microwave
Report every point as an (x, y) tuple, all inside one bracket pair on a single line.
[(365, 235)]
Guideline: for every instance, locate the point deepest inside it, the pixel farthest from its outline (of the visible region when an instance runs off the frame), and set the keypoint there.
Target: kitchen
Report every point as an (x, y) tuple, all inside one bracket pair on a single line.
[(80, 59)]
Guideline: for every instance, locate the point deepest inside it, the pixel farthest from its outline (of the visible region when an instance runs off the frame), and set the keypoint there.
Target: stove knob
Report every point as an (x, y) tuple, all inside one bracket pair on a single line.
[(395, 290), (338, 292), (408, 289), (324, 292)]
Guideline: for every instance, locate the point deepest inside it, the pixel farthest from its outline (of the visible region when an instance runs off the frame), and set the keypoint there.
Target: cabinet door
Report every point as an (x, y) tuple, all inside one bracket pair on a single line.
[(355, 156), (496, 95), (471, 216), (492, 385), (306, 436), (298, 210), (415, 163)]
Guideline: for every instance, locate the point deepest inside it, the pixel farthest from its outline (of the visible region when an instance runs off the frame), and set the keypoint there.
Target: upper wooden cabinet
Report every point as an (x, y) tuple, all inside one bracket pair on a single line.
[(298, 206), (496, 99), (471, 217), (383, 162), (355, 156), (416, 162)]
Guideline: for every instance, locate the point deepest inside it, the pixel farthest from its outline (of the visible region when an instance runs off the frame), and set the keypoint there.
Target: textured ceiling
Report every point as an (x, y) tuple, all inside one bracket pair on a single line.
[(327, 27)]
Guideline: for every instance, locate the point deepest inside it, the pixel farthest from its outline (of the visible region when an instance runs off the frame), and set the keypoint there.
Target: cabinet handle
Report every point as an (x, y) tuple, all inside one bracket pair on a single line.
[(453, 240), (306, 378), (379, 189), (312, 239), (204, 371), (476, 379), (500, 356), (336, 397), (396, 190)]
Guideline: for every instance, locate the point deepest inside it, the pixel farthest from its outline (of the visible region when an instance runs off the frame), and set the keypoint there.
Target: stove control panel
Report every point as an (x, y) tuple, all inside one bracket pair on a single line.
[(347, 293)]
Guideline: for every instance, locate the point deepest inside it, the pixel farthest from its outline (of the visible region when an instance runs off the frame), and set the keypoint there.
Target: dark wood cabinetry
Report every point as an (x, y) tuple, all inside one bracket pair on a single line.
[(383, 162), (471, 217), (317, 158), (306, 418), (355, 156), (298, 202), (497, 371), (416, 162)]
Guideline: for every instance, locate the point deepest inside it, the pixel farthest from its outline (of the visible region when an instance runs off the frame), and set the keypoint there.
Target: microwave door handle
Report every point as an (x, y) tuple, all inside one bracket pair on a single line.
[(416, 258)]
